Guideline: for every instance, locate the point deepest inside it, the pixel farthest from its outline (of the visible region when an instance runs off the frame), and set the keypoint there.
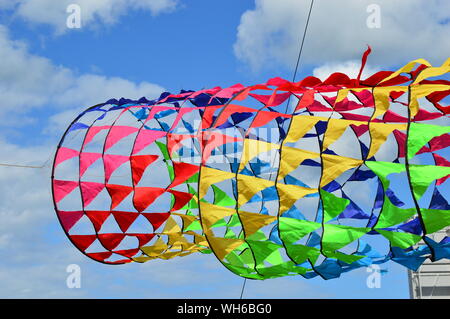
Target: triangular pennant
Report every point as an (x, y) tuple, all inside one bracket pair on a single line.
[(338, 236), (379, 133), (300, 125), (335, 129), (143, 238), (100, 256), (112, 162), (291, 229), (129, 253), (210, 176), (125, 219), (423, 175), (62, 188), (144, 138), (223, 246), (98, 218), (332, 205), (211, 214), (181, 199), (111, 241), (90, 190), (334, 166), (263, 117), (156, 219), (92, 132), (68, 219), (182, 172), (360, 129), (289, 194), (248, 186), (420, 134), (171, 227), (221, 198), (117, 133), (64, 154), (82, 241), (252, 222), (253, 148), (87, 159), (118, 193), (155, 250), (291, 158), (144, 196), (139, 164)]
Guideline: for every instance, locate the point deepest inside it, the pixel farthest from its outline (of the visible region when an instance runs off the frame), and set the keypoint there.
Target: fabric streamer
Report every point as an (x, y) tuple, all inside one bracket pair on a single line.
[(312, 178)]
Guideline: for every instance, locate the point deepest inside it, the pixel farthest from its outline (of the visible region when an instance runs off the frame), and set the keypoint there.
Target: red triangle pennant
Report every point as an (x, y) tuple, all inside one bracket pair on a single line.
[(139, 164), (360, 129), (156, 219), (125, 219), (98, 218), (111, 240), (263, 117), (143, 238), (82, 241), (100, 256), (181, 199), (68, 219), (127, 252), (144, 196), (182, 172), (118, 193)]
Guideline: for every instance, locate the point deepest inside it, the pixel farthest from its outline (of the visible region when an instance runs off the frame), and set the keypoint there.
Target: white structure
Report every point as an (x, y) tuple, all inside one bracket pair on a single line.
[(432, 280)]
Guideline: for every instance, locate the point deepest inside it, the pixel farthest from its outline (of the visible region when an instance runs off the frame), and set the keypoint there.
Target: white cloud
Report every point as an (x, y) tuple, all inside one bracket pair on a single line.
[(28, 81), (269, 35), (92, 12)]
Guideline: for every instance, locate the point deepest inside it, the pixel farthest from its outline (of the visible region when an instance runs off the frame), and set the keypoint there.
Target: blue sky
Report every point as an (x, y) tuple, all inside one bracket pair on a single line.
[(49, 73)]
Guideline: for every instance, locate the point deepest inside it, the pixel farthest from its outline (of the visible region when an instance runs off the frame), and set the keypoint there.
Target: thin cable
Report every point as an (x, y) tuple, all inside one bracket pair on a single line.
[(243, 287), (303, 40), (21, 166), (293, 80)]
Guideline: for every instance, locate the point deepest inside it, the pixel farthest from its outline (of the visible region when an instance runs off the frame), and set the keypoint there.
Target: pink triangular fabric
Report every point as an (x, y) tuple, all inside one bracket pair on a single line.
[(94, 130), (228, 92), (86, 160), (117, 133), (64, 154), (269, 100), (112, 162), (68, 219), (62, 188), (146, 137), (90, 190)]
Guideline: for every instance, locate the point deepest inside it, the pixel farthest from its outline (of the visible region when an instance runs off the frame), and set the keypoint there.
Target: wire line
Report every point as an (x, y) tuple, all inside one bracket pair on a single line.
[(293, 80)]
